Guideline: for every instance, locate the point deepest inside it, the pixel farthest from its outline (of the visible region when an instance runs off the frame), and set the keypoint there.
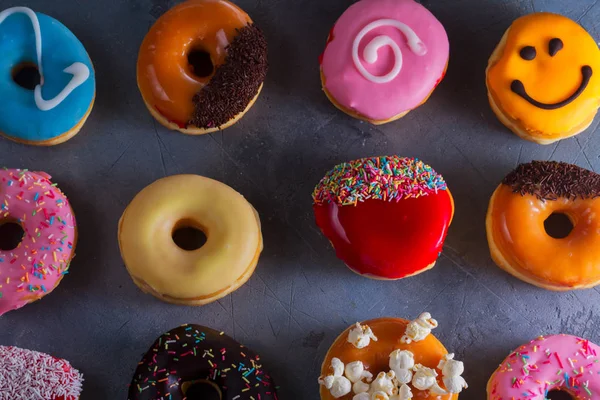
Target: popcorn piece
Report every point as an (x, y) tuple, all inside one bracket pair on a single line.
[(385, 383), (355, 371), (362, 396), (418, 329), (337, 384), (379, 395), (451, 374), (424, 378), (404, 394), (360, 336), (360, 387), (401, 362)]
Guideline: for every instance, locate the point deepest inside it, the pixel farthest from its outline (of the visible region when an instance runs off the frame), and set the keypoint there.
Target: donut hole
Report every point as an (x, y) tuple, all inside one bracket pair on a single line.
[(11, 235), (200, 63), (26, 75), (201, 390), (188, 237), (558, 225), (558, 394)]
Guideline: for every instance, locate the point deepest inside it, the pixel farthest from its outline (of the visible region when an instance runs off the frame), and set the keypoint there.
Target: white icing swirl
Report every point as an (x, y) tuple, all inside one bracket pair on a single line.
[(80, 71), (370, 51)]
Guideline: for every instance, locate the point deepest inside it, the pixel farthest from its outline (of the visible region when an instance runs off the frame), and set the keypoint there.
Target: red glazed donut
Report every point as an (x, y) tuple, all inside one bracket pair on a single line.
[(386, 217)]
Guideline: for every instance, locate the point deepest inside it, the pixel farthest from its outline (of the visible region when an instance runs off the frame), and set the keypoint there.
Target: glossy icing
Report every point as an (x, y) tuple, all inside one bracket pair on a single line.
[(386, 217), (516, 226), (563, 362), (561, 77), (165, 77), (27, 374), (221, 265), (68, 83), (375, 357), (39, 263), (414, 74), (192, 353)]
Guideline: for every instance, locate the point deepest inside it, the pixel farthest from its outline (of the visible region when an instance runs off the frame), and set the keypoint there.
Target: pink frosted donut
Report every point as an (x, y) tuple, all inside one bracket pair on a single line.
[(560, 363), (383, 59), (27, 374), (39, 262)]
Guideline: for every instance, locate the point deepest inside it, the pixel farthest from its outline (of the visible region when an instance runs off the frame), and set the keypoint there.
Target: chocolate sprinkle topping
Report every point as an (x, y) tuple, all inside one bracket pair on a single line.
[(550, 180), (235, 83)]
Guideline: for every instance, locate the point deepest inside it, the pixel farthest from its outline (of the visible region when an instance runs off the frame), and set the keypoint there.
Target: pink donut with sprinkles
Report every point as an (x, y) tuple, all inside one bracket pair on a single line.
[(38, 263), (27, 375), (547, 365), (384, 58)]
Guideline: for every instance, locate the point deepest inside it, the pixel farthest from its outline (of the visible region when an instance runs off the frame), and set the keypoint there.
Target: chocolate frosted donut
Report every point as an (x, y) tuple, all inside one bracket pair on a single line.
[(193, 362)]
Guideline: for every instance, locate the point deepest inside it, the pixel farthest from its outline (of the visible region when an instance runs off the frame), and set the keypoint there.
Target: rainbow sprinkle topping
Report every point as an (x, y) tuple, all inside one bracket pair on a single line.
[(384, 178), (192, 353)]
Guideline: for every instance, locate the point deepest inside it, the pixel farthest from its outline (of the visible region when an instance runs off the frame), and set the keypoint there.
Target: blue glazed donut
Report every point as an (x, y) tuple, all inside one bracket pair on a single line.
[(57, 107)]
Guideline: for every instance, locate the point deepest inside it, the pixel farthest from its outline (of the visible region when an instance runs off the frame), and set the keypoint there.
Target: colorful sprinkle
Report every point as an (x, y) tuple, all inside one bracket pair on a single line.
[(388, 178)]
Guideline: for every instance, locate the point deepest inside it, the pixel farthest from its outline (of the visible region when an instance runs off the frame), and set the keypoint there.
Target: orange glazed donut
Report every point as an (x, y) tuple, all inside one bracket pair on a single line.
[(201, 66), (390, 359), (518, 211)]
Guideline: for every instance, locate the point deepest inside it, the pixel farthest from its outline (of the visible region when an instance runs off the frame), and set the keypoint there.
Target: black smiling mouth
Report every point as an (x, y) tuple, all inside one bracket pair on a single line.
[(517, 87)]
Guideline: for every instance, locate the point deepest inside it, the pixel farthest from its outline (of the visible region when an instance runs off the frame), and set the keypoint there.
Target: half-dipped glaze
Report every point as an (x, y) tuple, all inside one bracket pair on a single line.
[(195, 362), (518, 239), (386, 217)]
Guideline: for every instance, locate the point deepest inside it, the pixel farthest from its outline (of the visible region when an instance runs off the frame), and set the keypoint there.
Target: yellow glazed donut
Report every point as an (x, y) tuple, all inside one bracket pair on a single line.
[(519, 242), (543, 79), (160, 267)]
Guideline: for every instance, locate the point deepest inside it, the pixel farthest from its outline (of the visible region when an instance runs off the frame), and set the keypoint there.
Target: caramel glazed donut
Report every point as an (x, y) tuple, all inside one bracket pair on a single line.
[(193, 362), (391, 359), (201, 66), (518, 240)]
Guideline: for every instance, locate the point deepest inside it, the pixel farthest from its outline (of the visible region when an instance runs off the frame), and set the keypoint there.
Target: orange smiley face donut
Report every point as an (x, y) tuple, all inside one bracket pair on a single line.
[(390, 359), (518, 240), (201, 66), (543, 78)]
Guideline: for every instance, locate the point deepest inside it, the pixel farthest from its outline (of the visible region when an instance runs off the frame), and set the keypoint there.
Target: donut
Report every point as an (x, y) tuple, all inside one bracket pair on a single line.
[(543, 78), (197, 276), (34, 265), (201, 66), (48, 85), (383, 58), (27, 374), (547, 366), (387, 217), (194, 362), (515, 224), (390, 359)]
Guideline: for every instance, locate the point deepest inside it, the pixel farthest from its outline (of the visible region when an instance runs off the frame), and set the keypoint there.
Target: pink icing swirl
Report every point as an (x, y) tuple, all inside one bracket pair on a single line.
[(411, 65), (558, 362), (39, 262)]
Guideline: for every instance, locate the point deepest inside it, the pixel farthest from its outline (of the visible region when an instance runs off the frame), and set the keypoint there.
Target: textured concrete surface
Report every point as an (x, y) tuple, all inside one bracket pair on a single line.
[(301, 296)]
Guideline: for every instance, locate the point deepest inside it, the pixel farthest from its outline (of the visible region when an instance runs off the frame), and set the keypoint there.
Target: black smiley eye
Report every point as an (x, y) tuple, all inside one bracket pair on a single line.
[(528, 53), (554, 46)]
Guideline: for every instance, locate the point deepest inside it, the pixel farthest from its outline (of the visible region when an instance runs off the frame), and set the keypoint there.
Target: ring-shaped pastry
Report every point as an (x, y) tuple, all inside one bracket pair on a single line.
[(519, 242), (193, 277)]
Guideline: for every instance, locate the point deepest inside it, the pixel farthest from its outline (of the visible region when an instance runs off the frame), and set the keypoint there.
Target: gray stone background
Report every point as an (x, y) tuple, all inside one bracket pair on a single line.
[(300, 296)]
